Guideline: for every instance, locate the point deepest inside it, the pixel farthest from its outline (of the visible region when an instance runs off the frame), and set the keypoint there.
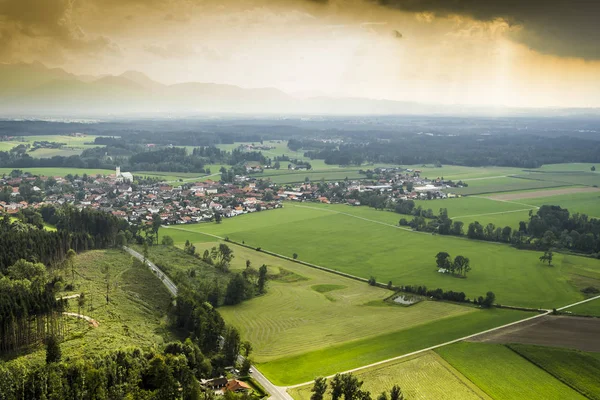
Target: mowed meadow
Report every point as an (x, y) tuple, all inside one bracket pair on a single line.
[(365, 242), (311, 322)]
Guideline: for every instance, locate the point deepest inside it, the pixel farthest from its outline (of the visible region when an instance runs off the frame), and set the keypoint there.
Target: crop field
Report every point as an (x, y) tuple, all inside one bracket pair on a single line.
[(424, 377), (364, 245), (556, 331), (567, 177), (467, 207), (343, 357), (507, 184), (586, 202), (589, 308), (459, 172), (570, 167), (503, 374), (577, 369), (135, 315)]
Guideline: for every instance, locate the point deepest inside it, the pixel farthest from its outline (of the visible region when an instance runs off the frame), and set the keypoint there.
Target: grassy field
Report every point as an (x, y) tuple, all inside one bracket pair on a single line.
[(424, 377), (503, 374), (589, 308), (60, 171), (459, 172), (567, 177), (313, 309), (572, 167), (343, 357), (135, 315), (586, 203), (320, 323), (506, 184), (366, 243), (467, 207), (577, 369)]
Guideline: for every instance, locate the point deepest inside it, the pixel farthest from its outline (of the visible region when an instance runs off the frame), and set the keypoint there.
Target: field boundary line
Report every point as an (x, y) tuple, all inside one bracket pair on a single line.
[(495, 213), (506, 201), (485, 177)]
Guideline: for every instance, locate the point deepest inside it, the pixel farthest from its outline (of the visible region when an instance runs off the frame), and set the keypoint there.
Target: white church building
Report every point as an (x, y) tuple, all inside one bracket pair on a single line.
[(123, 176)]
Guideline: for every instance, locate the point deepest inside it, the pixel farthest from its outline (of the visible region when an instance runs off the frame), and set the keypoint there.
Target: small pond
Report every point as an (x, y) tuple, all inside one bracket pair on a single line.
[(406, 299)]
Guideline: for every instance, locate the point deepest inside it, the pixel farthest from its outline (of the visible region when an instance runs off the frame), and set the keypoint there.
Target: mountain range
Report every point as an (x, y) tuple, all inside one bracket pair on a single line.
[(34, 90)]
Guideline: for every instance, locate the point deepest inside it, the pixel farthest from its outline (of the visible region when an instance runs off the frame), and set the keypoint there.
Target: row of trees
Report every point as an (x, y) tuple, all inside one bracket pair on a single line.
[(349, 387)]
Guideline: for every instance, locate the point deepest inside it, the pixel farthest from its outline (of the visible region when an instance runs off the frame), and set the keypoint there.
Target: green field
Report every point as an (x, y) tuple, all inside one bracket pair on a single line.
[(459, 172), (566, 177), (571, 167), (589, 308), (360, 243), (503, 374), (60, 171), (585, 203), (318, 309), (506, 184), (135, 315), (320, 323), (343, 357), (424, 377), (473, 207), (577, 369)]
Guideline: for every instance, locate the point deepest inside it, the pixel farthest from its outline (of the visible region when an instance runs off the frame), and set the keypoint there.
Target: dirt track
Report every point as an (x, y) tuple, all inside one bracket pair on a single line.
[(555, 331), (542, 193)]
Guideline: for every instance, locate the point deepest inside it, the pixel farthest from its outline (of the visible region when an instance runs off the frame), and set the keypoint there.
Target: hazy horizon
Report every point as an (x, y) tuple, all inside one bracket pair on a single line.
[(472, 54)]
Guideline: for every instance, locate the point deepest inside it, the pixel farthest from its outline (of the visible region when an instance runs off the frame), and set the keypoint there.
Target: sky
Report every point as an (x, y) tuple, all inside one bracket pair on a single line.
[(513, 53)]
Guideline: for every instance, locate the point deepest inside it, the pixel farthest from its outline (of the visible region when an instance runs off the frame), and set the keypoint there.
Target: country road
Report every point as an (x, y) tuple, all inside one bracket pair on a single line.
[(276, 392), (160, 274)]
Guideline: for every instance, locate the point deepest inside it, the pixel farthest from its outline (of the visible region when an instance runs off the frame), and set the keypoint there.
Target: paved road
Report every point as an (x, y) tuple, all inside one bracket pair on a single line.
[(276, 392), (161, 275)]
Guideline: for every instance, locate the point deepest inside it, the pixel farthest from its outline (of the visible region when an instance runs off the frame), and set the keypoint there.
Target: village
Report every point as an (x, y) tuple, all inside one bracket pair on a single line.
[(136, 199)]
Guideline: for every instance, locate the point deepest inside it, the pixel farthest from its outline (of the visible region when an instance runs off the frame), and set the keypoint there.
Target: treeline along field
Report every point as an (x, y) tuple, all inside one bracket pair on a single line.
[(366, 247)]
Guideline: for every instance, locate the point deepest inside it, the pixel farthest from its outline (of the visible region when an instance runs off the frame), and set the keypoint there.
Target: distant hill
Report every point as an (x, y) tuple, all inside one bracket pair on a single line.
[(35, 90)]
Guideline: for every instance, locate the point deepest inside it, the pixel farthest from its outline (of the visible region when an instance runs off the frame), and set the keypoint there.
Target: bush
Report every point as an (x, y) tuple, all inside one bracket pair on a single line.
[(372, 281)]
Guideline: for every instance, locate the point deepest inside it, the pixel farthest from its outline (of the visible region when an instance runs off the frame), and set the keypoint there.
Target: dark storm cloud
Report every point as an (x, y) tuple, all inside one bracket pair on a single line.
[(47, 20), (567, 28)]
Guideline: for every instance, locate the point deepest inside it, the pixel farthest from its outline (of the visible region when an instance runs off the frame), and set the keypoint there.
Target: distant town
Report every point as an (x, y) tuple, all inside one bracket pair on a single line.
[(123, 195)]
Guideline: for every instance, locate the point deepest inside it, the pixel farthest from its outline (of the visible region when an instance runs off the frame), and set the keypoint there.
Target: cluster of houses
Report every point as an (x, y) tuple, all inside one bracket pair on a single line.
[(119, 195), (201, 201)]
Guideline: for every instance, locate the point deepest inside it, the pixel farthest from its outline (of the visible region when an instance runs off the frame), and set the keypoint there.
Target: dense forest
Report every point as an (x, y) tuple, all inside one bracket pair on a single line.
[(31, 314), (172, 373), (29, 310), (523, 150)]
